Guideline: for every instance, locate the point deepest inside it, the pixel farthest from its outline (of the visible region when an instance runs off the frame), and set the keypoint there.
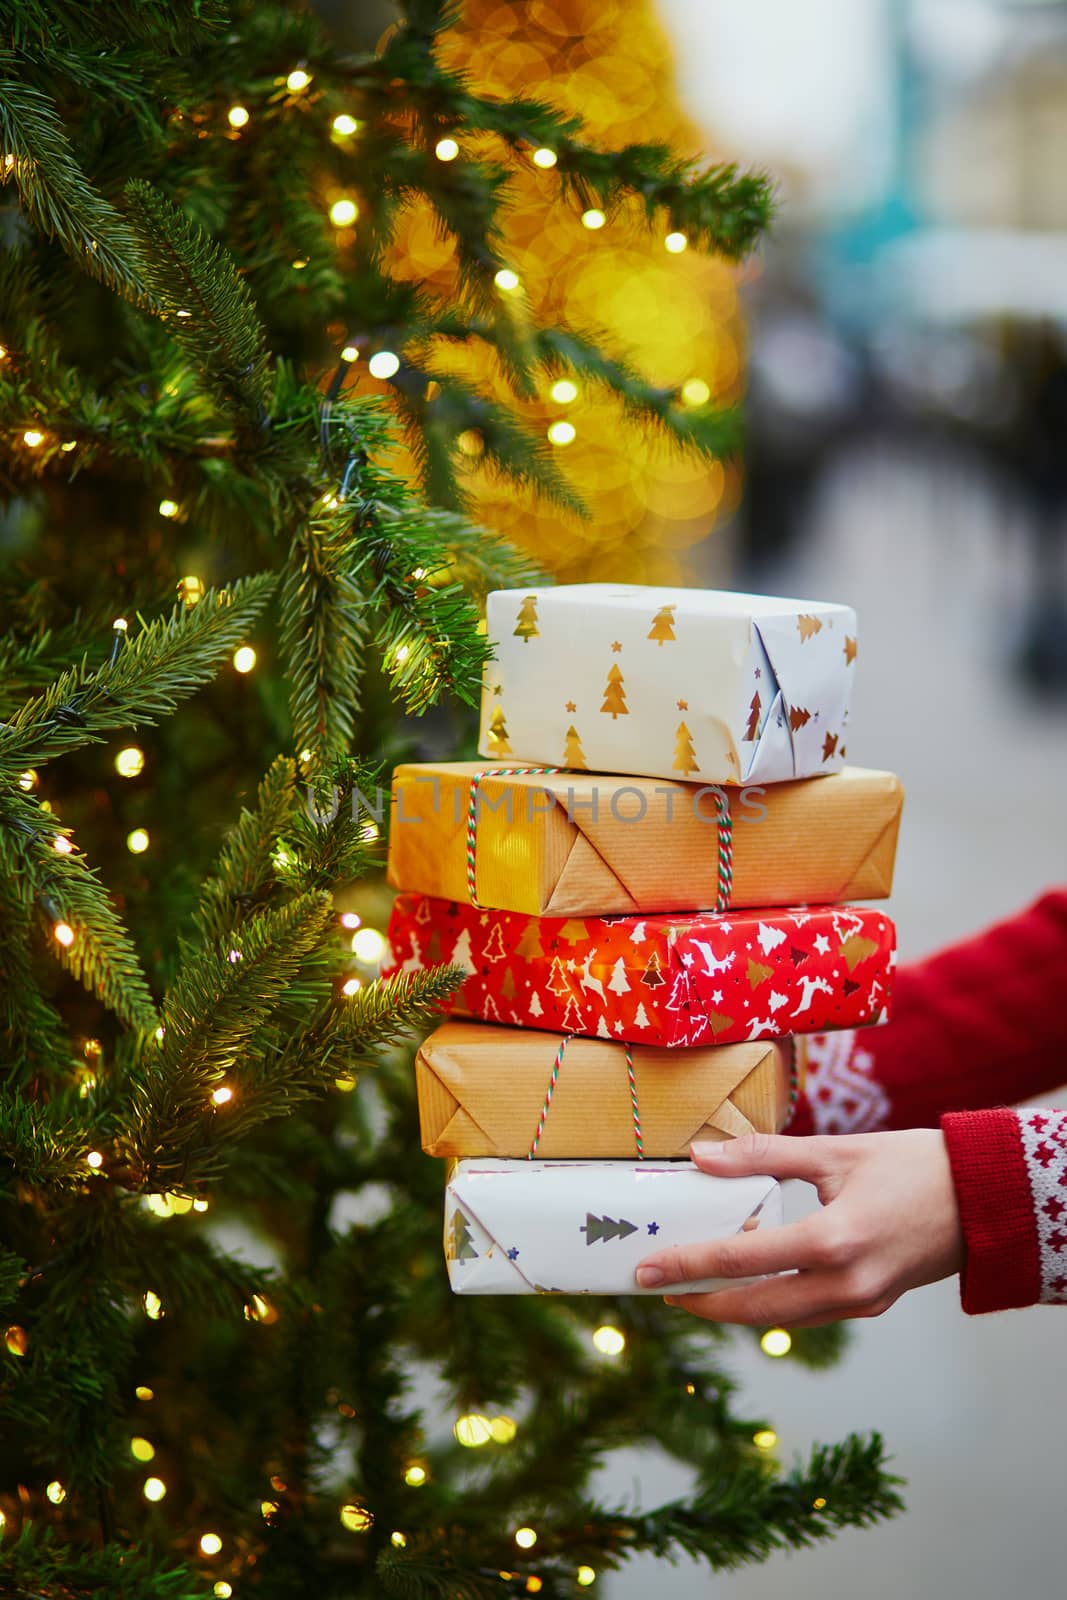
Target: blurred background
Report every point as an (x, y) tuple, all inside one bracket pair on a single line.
[(907, 422)]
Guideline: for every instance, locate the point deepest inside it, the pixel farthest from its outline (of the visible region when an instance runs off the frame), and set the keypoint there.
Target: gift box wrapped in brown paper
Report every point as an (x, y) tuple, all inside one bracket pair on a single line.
[(482, 1092), (581, 843)]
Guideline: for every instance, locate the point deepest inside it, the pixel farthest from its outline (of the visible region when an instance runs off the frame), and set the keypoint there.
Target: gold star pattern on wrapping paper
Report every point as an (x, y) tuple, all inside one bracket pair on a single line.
[(571, 706), (683, 705), (616, 645), (808, 627), (850, 650), (498, 689)]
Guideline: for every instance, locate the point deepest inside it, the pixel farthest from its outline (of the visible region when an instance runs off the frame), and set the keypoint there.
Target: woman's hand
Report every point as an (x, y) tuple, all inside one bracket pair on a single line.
[(889, 1222)]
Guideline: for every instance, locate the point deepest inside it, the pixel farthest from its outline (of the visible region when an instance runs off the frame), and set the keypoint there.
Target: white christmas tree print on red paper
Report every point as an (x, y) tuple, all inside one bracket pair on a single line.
[(495, 949), (462, 955), (619, 983)]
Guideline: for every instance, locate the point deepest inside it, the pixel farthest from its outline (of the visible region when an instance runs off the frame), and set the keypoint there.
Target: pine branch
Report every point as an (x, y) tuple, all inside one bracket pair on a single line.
[(12, 1272), (37, 1566), (511, 450), (712, 431), (211, 1014), (383, 1013), (55, 193), (162, 664), (322, 635), (46, 1150), (332, 839), (245, 871), (32, 1040), (208, 308), (101, 955)]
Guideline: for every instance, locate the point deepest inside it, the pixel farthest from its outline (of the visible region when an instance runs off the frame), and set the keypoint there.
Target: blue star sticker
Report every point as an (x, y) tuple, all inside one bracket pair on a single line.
[(653, 1227), (513, 1254)]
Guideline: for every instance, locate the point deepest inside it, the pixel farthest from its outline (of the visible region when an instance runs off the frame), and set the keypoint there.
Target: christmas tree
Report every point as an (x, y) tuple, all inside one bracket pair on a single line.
[(498, 733), (662, 628), (225, 372), (685, 757), (526, 622), (615, 695), (573, 754)]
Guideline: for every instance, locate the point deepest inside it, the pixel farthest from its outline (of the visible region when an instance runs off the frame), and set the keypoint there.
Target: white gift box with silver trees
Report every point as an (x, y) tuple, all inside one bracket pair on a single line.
[(581, 1227), (699, 684)]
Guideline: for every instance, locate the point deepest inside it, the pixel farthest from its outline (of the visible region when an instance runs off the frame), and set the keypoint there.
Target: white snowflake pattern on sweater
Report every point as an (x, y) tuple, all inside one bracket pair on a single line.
[(1044, 1137), (843, 1096)]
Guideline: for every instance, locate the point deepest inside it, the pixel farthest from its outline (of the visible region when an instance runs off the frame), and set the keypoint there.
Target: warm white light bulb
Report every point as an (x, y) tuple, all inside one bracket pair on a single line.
[(298, 79), (138, 841), (383, 364), (609, 1341), (507, 280), (446, 150), (343, 212), (563, 391), (345, 125), (676, 243), (776, 1342), (562, 433), (237, 116), (544, 158), (244, 659), (368, 945), (593, 219)]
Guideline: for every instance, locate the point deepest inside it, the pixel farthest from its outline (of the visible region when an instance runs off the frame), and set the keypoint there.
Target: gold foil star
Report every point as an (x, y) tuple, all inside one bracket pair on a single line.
[(616, 644), (683, 705), (571, 706)]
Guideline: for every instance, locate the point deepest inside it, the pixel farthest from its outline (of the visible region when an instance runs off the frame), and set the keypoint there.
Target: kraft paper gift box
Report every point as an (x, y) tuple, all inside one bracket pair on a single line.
[(670, 683), (695, 979), (482, 1092), (581, 1227), (570, 843)]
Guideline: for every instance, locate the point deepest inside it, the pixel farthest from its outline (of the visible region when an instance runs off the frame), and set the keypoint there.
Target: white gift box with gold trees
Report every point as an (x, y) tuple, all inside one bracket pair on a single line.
[(699, 684), (581, 1227)]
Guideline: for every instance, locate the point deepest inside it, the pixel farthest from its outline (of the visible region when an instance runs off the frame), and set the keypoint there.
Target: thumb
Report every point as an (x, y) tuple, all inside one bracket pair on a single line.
[(776, 1155)]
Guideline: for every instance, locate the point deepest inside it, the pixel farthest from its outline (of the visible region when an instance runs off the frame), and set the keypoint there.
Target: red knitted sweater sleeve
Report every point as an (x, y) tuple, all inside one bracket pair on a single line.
[(974, 1028)]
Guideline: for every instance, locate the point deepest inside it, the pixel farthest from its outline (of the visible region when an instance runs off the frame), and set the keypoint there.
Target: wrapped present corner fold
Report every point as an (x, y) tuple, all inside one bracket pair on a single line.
[(482, 1092), (688, 980), (581, 1227), (673, 683), (572, 843)]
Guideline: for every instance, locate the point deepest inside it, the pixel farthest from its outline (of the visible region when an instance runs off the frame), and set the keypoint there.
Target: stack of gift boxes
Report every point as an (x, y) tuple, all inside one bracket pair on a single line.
[(648, 883)]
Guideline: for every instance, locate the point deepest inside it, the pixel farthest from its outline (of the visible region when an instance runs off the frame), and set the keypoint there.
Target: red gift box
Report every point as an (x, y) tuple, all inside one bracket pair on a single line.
[(666, 980)]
